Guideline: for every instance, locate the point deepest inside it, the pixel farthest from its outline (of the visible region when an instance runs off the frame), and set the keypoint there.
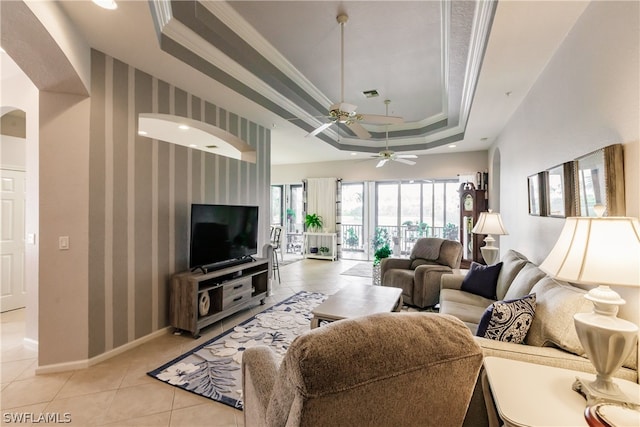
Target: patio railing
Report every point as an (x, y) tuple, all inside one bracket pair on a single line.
[(400, 239)]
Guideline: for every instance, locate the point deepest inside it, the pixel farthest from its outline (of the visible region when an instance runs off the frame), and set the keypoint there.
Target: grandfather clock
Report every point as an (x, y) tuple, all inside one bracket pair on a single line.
[(472, 202)]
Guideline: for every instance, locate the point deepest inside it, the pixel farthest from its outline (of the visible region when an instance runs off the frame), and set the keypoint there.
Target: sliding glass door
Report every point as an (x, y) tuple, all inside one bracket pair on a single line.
[(374, 214), (352, 211)]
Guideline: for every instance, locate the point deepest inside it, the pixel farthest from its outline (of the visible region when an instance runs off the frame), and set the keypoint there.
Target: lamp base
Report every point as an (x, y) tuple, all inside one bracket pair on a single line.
[(593, 395), (490, 254)]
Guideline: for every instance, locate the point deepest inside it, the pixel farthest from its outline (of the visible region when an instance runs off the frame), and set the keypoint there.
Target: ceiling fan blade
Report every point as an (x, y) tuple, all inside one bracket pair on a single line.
[(406, 156), (406, 162), (385, 120), (382, 163), (359, 130), (319, 129)]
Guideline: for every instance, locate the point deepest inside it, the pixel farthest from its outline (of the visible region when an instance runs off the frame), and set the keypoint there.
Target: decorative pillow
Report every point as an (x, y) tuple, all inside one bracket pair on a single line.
[(482, 280), (508, 321)]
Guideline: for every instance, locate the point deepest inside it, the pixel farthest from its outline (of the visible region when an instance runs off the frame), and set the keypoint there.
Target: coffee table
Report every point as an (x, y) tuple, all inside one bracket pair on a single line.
[(357, 300)]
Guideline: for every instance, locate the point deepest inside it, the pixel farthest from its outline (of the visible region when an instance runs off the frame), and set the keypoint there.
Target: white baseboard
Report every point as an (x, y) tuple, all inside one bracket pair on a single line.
[(83, 364), (31, 344)]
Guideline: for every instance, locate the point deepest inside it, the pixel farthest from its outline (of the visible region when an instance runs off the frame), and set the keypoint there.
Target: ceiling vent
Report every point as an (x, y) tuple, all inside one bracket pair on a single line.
[(212, 147), (370, 93)]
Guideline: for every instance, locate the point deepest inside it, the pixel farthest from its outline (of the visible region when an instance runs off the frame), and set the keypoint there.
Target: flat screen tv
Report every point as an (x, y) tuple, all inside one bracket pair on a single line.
[(222, 234)]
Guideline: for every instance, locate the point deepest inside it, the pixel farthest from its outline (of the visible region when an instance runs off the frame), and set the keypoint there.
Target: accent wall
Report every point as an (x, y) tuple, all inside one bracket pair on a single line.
[(140, 193)]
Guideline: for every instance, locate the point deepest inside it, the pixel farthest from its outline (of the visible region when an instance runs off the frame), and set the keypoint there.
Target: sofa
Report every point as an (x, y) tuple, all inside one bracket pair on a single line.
[(419, 275), (551, 339), (386, 369)]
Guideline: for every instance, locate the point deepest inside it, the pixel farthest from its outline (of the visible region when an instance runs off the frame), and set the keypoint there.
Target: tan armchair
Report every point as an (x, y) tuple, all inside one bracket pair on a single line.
[(387, 369), (419, 275)]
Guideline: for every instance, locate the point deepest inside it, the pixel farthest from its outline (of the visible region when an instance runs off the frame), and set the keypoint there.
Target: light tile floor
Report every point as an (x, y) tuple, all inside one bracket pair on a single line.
[(118, 392)]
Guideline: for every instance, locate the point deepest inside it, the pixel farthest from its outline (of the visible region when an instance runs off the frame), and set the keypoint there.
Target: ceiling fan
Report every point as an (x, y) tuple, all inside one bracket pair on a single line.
[(386, 154), (345, 113)]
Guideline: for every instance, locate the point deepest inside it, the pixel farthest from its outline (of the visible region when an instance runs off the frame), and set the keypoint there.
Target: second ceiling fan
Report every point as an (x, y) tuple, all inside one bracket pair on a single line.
[(386, 154), (345, 113)]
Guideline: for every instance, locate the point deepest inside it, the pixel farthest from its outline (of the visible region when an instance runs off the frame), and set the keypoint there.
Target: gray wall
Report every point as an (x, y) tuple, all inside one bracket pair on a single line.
[(140, 192)]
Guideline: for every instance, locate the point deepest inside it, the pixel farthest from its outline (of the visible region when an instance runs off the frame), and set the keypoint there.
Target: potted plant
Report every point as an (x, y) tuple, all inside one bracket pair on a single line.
[(352, 239), (324, 251), (383, 251), (313, 222)]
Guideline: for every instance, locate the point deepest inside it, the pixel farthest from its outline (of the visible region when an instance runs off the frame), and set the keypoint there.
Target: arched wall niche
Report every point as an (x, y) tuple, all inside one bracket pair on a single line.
[(13, 123)]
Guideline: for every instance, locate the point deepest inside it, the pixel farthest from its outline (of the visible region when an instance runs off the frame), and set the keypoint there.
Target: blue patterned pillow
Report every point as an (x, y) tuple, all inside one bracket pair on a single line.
[(508, 320)]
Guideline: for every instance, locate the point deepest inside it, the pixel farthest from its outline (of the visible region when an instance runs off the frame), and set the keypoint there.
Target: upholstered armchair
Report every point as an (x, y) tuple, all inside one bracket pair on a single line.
[(419, 275), (387, 369)]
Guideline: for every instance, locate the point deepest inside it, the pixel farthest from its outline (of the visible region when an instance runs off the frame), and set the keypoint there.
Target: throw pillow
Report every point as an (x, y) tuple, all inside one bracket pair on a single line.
[(482, 280), (508, 321)]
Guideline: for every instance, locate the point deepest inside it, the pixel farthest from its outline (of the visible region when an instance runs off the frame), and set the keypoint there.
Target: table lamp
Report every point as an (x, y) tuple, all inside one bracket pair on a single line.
[(600, 251), (489, 223)]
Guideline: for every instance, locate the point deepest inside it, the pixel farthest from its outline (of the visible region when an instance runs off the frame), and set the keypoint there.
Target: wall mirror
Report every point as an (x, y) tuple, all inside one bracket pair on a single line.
[(600, 180), (556, 191), (591, 182), (536, 196)]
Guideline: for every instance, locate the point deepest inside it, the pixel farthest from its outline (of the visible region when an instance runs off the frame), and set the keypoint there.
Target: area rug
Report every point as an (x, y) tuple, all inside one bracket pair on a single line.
[(213, 369), (363, 269)]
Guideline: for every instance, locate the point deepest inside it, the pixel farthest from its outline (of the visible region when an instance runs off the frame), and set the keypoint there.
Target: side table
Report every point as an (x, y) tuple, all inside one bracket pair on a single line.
[(528, 394)]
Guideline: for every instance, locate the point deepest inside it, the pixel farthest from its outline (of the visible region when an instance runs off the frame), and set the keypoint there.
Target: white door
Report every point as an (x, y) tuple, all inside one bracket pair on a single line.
[(12, 186)]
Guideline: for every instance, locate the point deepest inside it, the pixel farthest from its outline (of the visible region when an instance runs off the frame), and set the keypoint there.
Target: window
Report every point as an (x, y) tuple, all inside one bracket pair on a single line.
[(295, 209), (276, 205), (408, 210), (352, 212)]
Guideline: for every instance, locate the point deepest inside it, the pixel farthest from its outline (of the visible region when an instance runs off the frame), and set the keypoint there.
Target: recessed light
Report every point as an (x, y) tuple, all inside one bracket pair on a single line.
[(452, 145), (192, 145), (106, 4), (354, 154), (183, 127), (141, 132)]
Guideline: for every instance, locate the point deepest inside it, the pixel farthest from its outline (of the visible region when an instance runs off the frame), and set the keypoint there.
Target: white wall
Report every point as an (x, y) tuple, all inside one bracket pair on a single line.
[(18, 92), (585, 99), (363, 168)]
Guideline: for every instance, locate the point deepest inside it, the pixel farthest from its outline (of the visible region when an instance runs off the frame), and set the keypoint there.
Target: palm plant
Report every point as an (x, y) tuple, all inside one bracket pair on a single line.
[(313, 222)]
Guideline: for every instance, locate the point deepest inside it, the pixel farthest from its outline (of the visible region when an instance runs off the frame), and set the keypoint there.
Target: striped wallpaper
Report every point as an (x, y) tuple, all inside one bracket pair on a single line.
[(140, 195)]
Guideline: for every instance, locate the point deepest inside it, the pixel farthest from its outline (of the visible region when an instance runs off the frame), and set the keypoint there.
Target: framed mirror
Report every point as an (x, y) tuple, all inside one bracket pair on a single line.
[(599, 179), (559, 181), (536, 207)]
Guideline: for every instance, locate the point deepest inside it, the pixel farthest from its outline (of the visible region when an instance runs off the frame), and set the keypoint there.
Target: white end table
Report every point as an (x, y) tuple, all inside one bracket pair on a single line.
[(527, 394)]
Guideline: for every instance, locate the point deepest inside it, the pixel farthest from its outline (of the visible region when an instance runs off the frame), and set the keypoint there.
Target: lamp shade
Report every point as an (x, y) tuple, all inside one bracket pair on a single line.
[(489, 223), (601, 251)]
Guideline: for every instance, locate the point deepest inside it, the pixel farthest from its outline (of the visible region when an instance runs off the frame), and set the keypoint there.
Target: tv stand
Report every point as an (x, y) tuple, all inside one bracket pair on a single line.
[(200, 298)]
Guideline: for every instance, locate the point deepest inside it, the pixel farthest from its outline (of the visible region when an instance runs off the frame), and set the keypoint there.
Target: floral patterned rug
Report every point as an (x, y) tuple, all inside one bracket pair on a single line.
[(213, 368)]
